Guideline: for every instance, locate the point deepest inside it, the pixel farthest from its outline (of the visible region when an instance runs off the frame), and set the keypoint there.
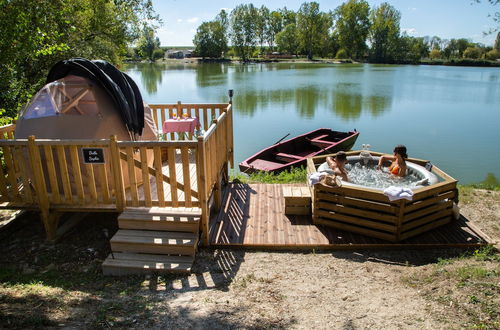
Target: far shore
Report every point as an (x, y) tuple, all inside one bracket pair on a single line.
[(302, 60)]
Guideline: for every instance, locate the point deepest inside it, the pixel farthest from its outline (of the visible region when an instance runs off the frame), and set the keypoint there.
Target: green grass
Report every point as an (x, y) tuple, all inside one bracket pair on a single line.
[(489, 183), (295, 175), (468, 284)]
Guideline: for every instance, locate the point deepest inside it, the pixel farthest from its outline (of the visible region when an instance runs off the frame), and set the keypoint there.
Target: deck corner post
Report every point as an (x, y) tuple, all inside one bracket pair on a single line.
[(201, 172), (117, 173)]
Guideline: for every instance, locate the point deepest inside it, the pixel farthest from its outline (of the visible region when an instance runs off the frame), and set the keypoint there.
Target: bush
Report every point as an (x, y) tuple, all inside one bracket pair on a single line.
[(472, 52), (230, 53), (434, 54), (158, 53), (341, 54), (492, 55)]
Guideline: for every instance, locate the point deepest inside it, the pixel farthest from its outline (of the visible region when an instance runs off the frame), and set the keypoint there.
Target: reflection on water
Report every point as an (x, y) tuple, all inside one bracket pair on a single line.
[(437, 112), (151, 74)]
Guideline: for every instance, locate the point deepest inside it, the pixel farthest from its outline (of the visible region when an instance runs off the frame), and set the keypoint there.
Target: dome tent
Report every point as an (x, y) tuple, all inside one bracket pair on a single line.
[(86, 100), (79, 103)]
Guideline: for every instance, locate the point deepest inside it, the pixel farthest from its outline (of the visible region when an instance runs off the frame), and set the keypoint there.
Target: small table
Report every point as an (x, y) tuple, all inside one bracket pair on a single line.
[(184, 125)]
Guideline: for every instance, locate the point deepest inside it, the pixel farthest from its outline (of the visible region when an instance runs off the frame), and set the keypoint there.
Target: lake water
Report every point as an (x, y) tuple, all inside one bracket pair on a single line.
[(449, 115)]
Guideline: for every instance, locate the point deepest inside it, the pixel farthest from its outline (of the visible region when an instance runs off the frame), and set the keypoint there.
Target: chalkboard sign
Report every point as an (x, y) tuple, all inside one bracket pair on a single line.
[(93, 155)]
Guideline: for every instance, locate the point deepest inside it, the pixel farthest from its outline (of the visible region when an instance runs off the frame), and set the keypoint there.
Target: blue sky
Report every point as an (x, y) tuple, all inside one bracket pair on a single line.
[(444, 18)]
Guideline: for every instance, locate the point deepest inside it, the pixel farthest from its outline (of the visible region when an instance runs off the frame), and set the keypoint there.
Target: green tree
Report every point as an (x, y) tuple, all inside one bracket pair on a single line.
[(287, 40), (312, 28), (289, 16), (148, 43), (412, 49), (223, 19), (456, 48), (34, 35), (243, 30), (384, 33), (275, 26), (436, 43), (210, 40), (262, 25), (352, 26)]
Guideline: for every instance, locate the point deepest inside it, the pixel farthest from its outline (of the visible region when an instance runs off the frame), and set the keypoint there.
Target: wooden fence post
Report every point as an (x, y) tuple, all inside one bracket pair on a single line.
[(117, 173), (202, 195), (49, 222), (230, 139)]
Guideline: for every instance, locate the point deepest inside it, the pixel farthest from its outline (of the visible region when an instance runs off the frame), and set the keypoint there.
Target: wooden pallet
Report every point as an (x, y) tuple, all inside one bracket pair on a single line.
[(161, 240)]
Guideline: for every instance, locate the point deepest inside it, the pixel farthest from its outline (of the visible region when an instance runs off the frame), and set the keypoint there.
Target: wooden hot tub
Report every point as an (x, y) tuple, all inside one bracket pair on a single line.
[(369, 212)]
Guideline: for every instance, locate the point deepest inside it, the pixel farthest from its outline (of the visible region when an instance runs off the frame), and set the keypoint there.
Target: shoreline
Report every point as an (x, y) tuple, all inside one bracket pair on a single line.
[(197, 60)]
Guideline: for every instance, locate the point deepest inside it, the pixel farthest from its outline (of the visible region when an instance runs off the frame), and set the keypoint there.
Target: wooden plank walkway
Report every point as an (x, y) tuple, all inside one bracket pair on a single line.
[(253, 216)]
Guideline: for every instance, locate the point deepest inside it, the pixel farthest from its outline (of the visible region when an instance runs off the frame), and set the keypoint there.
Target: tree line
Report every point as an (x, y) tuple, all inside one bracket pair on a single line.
[(353, 30), (34, 35)]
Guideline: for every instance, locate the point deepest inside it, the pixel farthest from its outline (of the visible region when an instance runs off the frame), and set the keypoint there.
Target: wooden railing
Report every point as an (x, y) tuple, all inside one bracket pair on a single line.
[(7, 131), (51, 175), (205, 113)]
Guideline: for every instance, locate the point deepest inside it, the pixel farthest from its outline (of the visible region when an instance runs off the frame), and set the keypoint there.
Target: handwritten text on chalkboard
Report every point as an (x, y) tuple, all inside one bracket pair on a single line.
[(93, 155)]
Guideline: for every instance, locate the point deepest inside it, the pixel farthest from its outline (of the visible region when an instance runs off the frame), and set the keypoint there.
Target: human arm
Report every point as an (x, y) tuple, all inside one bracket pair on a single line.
[(384, 158), (330, 162)]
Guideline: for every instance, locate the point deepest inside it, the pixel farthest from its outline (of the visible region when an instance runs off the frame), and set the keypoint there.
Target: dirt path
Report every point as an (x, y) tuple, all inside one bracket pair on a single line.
[(62, 286)]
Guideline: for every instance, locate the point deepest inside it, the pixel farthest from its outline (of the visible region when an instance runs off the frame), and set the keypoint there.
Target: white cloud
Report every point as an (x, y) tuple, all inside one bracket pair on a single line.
[(409, 30), (192, 20), (179, 20)]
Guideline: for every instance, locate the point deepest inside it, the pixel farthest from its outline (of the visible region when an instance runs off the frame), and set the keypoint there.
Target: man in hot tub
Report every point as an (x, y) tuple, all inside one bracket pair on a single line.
[(337, 165)]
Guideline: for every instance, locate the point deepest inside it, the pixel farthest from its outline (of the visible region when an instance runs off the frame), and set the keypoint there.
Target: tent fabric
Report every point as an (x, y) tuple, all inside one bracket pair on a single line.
[(119, 86)]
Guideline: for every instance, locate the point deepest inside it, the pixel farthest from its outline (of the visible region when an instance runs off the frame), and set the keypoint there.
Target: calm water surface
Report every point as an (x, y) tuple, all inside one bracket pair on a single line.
[(449, 115)]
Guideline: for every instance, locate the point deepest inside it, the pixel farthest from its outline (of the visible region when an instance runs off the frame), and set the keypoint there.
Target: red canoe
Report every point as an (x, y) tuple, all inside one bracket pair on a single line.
[(295, 151)]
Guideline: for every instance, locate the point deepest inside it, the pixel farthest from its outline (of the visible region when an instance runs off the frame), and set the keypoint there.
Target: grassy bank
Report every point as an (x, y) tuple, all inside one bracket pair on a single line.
[(295, 175)]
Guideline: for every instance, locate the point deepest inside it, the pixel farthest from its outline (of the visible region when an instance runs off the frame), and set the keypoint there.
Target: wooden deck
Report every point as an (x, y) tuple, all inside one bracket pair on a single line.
[(253, 216), (179, 177)]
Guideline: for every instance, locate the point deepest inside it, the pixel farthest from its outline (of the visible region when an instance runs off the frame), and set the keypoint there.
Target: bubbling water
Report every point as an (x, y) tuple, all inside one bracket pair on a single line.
[(369, 176)]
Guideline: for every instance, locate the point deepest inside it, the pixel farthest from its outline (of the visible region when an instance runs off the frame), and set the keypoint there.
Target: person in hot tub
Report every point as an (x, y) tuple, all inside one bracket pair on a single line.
[(337, 165), (398, 166)]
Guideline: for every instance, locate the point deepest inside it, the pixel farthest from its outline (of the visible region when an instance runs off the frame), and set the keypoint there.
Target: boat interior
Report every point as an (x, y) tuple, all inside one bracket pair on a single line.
[(297, 149)]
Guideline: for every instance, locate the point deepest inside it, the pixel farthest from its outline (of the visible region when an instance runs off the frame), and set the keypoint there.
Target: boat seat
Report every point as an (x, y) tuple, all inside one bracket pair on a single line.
[(321, 144), (319, 137), (287, 157), (265, 165)]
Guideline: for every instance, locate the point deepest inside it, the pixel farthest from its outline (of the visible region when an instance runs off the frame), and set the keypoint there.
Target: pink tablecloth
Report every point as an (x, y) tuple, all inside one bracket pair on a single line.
[(187, 125)]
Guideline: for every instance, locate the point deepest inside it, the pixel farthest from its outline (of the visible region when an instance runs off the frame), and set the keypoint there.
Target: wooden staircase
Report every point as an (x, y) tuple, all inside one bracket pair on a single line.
[(161, 240)]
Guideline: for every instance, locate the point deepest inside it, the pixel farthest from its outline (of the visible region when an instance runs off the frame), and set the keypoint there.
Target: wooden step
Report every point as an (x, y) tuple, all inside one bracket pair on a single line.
[(157, 242), (123, 263), (158, 221), (174, 211)]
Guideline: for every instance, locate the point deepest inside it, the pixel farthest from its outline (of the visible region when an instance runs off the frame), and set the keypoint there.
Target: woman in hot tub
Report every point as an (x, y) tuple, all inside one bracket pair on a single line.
[(398, 166)]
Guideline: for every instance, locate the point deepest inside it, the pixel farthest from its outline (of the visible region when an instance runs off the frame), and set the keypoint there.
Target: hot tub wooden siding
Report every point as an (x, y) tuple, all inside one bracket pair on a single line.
[(369, 212)]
